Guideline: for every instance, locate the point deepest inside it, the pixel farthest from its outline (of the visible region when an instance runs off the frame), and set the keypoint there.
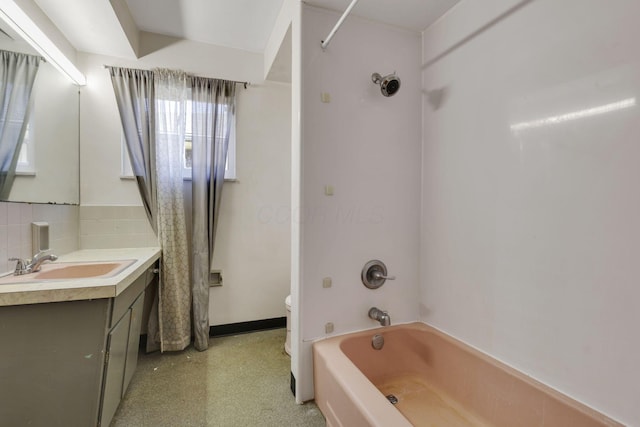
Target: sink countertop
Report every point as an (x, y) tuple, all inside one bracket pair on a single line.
[(81, 289)]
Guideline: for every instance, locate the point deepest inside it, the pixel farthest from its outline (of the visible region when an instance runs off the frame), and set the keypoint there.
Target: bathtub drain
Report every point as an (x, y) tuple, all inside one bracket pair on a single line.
[(391, 398)]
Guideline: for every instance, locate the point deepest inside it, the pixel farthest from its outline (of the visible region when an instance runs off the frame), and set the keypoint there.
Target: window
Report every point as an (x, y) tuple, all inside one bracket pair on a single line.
[(230, 166), (26, 163)]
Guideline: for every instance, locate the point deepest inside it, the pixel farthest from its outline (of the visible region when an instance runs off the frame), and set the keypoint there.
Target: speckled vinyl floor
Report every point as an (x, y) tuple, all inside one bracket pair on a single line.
[(240, 381)]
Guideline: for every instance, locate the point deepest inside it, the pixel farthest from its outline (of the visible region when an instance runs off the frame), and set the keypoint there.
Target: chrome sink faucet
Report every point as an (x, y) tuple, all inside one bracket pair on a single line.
[(380, 315), (26, 266)]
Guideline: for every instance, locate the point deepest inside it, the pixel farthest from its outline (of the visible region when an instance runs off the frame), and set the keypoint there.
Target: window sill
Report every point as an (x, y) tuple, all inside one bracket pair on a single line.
[(225, 180), (133, 178)]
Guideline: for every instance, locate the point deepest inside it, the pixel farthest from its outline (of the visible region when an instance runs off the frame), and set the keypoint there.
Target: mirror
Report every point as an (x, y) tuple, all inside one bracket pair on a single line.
[(49, 169)]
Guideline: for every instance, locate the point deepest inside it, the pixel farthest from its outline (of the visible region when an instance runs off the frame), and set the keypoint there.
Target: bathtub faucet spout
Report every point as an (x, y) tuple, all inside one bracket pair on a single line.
[(380, 315)]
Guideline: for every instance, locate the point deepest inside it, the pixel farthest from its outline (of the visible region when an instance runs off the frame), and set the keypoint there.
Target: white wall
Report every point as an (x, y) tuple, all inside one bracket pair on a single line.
[(253, 245), (100, 135), (530, 238), (368, 148), (276, 43)]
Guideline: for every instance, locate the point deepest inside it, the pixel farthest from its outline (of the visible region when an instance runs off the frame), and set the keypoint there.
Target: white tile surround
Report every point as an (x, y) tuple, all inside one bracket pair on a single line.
[(15, 229), (367, 147), (530, 225), (72, 227), (104, 227)]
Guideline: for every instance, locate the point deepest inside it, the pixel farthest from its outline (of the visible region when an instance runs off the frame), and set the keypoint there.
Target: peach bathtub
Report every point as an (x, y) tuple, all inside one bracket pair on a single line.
[(437, 380)]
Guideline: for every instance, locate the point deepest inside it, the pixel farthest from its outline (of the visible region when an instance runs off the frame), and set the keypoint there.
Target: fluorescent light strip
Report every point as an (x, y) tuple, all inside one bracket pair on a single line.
[(21, 23), (608, 108)]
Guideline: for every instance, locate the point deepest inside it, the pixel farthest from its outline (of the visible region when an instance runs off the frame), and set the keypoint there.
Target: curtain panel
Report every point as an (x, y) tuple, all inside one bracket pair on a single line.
[(17, 75), (213, 111), (156, 108), (175, 290), (135, 96)]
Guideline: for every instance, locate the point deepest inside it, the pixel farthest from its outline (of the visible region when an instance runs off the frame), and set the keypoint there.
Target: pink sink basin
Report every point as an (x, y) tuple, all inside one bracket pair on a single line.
[(70, 271)]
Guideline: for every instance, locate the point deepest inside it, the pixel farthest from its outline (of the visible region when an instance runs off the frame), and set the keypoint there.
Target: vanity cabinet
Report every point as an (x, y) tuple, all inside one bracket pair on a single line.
[(123, 340), (69, 363)]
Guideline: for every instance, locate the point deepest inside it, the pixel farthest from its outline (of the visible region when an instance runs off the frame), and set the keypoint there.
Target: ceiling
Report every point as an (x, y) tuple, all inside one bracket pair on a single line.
[(413, 15), (240, 24), (96, 27)]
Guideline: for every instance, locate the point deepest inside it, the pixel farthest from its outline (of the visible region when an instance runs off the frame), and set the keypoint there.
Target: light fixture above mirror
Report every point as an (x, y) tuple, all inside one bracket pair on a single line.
[(24, 25)]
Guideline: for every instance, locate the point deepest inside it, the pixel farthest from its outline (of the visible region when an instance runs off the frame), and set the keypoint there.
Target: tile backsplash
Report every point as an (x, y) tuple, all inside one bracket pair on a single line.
[(103, 227), (15, 229), (71, 228)]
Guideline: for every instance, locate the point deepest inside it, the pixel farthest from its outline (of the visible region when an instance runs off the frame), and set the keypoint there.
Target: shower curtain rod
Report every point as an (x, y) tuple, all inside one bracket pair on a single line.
[(324, 43), (232, 81)]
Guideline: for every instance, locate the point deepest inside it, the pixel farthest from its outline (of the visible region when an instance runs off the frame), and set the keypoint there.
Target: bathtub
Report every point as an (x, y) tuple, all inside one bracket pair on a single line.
[(437, 381)]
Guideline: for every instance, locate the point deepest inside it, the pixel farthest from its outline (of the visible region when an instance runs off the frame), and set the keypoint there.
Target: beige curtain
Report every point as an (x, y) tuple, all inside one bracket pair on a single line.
[(156, 104), (174, 308)]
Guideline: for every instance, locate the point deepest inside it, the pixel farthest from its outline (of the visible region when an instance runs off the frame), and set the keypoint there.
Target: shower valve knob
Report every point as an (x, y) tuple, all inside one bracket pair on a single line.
[(378, 275), (374, 274)]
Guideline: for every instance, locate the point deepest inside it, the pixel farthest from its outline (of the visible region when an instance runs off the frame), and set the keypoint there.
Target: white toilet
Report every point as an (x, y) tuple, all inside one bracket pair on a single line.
[(287, 343)]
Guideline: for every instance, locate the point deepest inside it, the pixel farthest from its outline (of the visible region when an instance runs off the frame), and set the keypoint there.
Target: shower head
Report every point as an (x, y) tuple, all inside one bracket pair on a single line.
[(389, 85)]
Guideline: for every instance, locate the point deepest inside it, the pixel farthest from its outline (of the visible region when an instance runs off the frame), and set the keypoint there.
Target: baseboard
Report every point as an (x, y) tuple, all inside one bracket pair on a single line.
[(292, 384), (245, 327), (235, 328)]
